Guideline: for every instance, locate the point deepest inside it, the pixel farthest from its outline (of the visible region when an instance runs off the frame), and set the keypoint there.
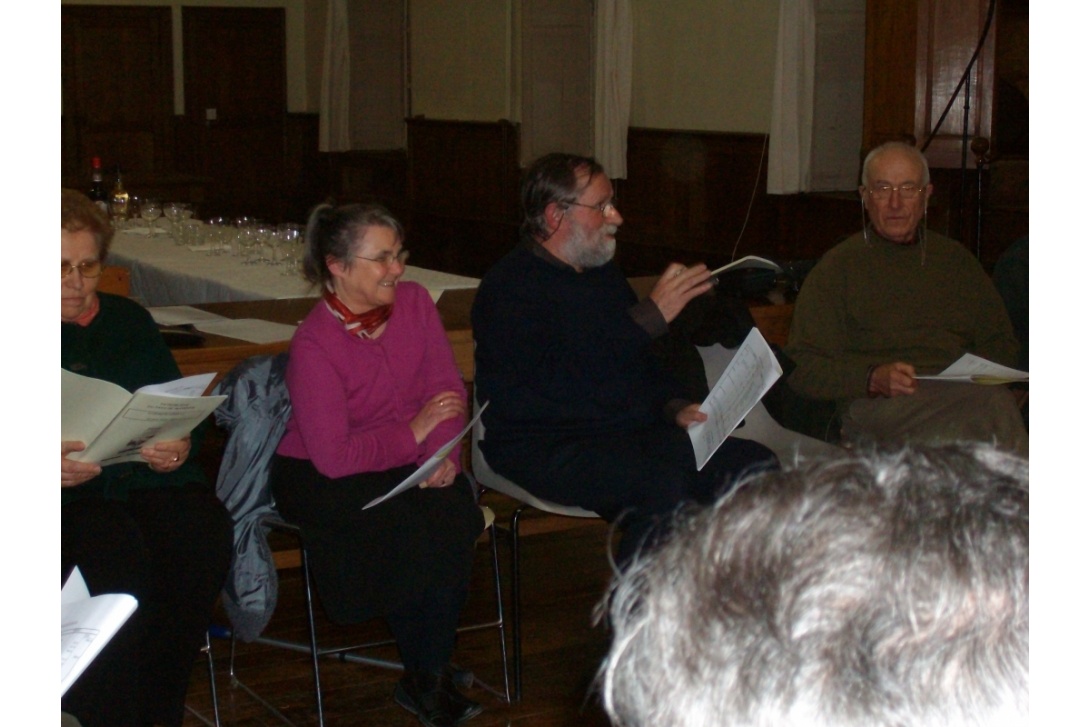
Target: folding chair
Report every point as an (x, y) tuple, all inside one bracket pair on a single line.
[(487, 477), (262, 399)]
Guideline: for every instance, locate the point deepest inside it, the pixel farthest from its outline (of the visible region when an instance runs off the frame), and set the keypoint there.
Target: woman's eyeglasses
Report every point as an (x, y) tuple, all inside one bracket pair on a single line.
[(388, 258), (87, 269)]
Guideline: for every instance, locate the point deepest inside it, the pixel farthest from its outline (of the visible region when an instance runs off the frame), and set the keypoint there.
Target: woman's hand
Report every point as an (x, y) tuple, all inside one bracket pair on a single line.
[(76, 473), (166, 456), (443, 476), (442, 406), (690, 415)]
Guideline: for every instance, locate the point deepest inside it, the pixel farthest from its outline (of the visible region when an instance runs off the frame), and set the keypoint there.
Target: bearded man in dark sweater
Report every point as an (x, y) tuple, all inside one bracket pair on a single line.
[(581, 413)]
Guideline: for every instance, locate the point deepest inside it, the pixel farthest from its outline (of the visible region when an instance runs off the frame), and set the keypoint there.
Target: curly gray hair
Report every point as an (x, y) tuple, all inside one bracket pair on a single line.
[(882, 588)]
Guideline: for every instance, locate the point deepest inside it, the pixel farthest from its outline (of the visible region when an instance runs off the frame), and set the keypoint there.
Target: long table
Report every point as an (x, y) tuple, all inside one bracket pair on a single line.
[(162, 273)]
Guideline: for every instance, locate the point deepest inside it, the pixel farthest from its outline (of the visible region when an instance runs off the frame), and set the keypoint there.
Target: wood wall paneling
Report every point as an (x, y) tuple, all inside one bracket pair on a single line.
[(116, 90), (307, 179), (687, 196), (947, 36), (463, 192), (916, 52), (236, 102), (889, 76), (380, 176)]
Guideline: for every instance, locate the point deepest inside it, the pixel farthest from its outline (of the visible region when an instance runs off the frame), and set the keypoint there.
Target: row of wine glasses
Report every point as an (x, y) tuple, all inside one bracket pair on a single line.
[(146, 211), (254, 241)]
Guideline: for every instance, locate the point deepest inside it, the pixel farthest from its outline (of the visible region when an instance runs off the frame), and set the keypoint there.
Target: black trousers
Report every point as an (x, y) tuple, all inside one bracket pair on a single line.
[(407, 560), (170, 548), (638, 478)]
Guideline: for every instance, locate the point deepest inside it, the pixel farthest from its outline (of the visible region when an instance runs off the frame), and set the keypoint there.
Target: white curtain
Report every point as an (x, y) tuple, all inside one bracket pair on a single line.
[(333, 128), (793, 100), (613, 86)]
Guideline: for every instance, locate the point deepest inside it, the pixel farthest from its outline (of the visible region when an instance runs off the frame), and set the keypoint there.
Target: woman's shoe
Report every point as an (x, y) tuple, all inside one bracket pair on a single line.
[(422, 694), (462, 707)]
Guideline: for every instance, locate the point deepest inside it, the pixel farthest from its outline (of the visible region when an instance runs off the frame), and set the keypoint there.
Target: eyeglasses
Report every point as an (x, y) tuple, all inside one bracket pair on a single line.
[(87, 269), (884, 191), (388, 258), (602, 208)]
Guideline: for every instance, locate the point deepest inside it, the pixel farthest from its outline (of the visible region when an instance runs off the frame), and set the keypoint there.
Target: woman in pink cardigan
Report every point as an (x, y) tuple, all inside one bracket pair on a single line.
[(375, 392)]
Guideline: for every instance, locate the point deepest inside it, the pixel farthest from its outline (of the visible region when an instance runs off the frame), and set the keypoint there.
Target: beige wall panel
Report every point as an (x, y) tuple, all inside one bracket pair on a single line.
[(704, 65), (461, 59)]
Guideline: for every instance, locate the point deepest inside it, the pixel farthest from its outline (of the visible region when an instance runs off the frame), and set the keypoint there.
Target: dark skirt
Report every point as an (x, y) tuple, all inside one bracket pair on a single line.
[(415, 548)]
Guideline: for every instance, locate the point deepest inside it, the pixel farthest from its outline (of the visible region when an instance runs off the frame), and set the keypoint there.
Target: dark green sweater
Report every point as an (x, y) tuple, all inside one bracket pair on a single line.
[(872, 302), (123, 345)]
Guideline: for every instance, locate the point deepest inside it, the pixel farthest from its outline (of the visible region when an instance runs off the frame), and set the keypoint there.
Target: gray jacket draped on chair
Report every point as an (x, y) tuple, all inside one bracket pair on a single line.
[(255, 413)]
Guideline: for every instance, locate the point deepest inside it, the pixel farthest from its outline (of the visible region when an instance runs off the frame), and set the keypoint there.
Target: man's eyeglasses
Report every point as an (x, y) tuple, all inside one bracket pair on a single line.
[(388, 258), (87, 269), (602, 208), (884, 191)]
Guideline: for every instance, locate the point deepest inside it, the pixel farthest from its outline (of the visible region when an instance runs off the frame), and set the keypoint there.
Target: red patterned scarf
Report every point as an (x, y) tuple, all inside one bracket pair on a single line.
[(363, 325)]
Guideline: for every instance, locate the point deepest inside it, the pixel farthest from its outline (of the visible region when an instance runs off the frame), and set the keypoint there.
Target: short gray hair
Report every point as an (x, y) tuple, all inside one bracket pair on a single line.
[(883, 588), (902, 147)]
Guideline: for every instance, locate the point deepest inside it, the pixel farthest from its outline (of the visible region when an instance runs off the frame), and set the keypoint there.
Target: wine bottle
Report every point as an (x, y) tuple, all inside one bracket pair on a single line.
[(119, 199), (97, 192)]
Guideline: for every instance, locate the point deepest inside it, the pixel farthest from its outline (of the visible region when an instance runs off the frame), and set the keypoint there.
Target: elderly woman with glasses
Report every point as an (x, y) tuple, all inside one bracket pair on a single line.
[(154, 528), (375, 393)]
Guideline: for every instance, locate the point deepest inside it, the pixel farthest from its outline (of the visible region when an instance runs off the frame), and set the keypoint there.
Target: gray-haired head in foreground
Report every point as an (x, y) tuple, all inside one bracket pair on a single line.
[(882, 589)]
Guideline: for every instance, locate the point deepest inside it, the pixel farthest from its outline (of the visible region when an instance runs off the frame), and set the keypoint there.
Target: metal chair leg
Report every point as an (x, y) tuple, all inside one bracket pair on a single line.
[(207, 651), (516, 602), (499, 609), (313, 635), (212, 678)]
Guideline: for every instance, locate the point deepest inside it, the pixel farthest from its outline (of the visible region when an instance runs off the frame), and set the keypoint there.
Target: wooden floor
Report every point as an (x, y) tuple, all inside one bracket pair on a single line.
[(565, 574)]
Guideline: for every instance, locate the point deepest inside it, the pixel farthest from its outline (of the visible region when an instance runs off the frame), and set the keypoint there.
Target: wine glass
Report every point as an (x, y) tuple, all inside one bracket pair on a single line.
[(290, 236), (151, 210), (218, 234), (266, 243), (171, 212)]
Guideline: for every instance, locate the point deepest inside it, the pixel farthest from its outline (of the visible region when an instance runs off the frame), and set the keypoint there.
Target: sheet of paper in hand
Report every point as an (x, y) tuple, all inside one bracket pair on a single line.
[(749, 375), (978, 371), (424, 470)]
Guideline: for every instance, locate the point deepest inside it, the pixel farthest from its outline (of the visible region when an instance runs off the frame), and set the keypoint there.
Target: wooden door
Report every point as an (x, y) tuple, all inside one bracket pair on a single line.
[(116, 90), (235, 107)]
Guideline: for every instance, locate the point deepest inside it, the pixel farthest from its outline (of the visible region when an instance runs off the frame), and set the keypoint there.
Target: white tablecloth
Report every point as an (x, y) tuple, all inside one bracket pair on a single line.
[(167, 274)]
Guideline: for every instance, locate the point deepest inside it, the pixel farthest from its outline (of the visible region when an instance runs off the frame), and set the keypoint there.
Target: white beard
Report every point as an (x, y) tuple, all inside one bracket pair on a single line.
[(584, 252)]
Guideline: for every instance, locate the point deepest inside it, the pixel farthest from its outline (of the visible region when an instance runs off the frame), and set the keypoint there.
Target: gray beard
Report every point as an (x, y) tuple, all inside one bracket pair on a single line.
[(581, 253)]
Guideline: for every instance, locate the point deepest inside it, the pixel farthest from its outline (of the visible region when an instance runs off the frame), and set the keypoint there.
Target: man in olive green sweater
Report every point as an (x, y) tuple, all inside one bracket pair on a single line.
[(896, 301)]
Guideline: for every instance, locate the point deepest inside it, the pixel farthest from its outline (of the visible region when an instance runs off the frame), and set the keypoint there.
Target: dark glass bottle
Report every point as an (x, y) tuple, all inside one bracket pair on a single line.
[(97, 192)]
